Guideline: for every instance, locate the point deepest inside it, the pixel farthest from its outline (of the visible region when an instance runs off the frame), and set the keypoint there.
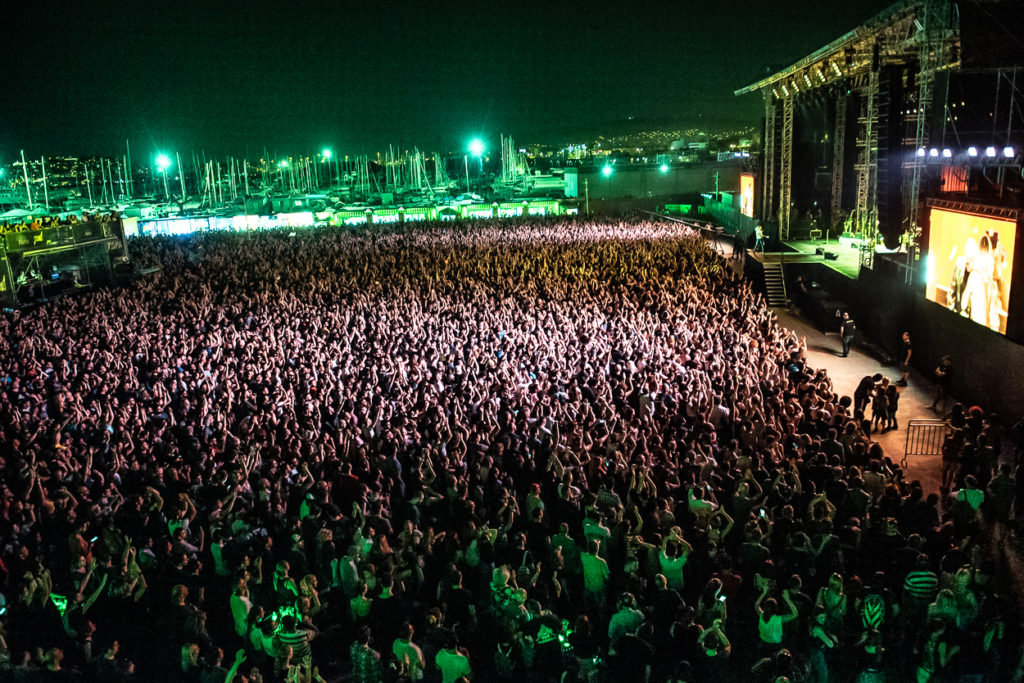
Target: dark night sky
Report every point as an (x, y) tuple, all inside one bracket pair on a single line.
[(79, 78)]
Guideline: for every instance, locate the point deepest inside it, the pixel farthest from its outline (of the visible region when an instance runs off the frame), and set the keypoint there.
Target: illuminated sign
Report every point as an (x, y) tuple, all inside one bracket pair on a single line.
[(970, 266)]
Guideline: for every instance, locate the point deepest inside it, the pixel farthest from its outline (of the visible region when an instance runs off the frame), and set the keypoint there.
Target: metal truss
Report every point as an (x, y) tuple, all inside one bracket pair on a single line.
[(768, 186), (786, 168), (838, 151)]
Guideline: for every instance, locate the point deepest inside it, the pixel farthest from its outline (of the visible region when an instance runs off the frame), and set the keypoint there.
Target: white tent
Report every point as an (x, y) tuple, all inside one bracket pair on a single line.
[(19, 213)]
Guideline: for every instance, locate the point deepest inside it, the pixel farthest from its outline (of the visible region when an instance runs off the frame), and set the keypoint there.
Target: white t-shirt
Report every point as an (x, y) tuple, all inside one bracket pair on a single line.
[(452, 665)]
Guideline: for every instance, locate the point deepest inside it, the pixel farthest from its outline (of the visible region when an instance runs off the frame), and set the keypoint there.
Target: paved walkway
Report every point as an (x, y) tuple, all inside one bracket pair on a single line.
[(823, 352)]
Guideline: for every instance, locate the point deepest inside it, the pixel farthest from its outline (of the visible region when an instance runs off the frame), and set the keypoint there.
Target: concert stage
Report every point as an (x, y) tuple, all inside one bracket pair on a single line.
[(847, 261)]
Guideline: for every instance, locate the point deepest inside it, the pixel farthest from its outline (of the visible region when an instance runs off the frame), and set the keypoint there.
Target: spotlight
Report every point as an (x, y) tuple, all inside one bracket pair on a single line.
[(972, 151), (947, 154), (920, 152), (990, 151), (933, 153), (1008, 152)]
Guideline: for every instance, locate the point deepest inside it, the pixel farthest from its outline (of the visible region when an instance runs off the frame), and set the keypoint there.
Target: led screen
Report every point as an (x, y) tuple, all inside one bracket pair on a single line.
[(747, 194), (970, 265)]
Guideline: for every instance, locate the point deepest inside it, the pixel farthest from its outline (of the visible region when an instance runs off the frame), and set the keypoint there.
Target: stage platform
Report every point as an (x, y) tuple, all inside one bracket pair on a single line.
[(847, 263)]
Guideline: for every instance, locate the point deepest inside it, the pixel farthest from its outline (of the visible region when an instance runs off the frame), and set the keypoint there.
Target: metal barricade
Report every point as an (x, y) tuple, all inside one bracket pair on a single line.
[(924, 437)]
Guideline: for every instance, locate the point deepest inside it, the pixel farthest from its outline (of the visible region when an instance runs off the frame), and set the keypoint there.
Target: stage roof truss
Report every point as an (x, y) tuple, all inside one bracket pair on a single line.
[(897, 35)]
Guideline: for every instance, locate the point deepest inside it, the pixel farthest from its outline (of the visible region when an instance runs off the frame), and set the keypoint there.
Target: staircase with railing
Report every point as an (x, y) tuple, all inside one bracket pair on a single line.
[(775, 284)]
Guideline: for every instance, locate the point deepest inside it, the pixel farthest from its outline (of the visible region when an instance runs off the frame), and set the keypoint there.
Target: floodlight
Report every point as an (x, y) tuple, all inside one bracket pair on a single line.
[(1008, 152), (163, 162), (476, 147), (947, 154), (990, 151), (933, 152), (327, 153), (921, 152), (664, 168), (606, 171), (972, 151)]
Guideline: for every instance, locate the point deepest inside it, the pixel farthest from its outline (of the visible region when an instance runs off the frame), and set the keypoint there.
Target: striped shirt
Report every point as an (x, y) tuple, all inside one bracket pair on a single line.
[(299, 642), (921, 585)]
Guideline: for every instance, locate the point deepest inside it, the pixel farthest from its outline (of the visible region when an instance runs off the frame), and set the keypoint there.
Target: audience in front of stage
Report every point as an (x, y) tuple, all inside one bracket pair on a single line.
[(564, 450)]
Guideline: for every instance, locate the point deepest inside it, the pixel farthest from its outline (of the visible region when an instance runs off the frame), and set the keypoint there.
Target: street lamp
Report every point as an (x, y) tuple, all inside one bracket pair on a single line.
[(476, 148), (283, 164), (327, 154), (163, 162)]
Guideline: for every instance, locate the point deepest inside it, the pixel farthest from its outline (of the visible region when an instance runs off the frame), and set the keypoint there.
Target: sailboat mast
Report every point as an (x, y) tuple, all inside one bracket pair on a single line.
[(88, 183), (181, 176), (128, 167), (46, 193)]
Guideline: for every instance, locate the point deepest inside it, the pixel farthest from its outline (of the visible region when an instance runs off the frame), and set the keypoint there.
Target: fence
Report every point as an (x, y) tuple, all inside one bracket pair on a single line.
[(924, 437)]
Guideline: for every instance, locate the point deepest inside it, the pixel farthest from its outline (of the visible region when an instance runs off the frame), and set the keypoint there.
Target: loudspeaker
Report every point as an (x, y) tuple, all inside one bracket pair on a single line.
[(831, 256), (820, 251)]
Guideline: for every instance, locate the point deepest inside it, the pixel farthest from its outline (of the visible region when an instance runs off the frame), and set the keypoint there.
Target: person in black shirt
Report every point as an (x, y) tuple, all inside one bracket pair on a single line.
[(943, 378), (847, 329), (905, 352)]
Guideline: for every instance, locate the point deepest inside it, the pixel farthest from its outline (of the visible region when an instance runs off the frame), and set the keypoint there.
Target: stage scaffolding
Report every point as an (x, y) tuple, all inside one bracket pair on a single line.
[(910, 41)]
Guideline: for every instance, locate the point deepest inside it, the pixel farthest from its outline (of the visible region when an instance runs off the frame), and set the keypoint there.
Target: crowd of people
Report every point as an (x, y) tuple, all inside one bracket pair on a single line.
[(556, 450), (33, 223)]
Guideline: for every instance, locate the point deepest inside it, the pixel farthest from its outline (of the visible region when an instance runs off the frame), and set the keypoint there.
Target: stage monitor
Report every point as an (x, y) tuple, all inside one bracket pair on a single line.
[(970, 265), (747, 194)]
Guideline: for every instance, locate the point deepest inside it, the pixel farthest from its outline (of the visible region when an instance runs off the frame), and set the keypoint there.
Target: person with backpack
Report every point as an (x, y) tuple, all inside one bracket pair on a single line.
[(877, 606)]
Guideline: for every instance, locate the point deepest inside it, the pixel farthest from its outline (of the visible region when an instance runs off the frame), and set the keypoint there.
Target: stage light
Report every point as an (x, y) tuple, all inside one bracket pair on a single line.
[(163, 162), (1008, 152), (947, 154), (663, 168), (972, 151), (606, 171), (933, 152), (283, 164), (990, 151), (327, 153), (921, 152), (476, 147)]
